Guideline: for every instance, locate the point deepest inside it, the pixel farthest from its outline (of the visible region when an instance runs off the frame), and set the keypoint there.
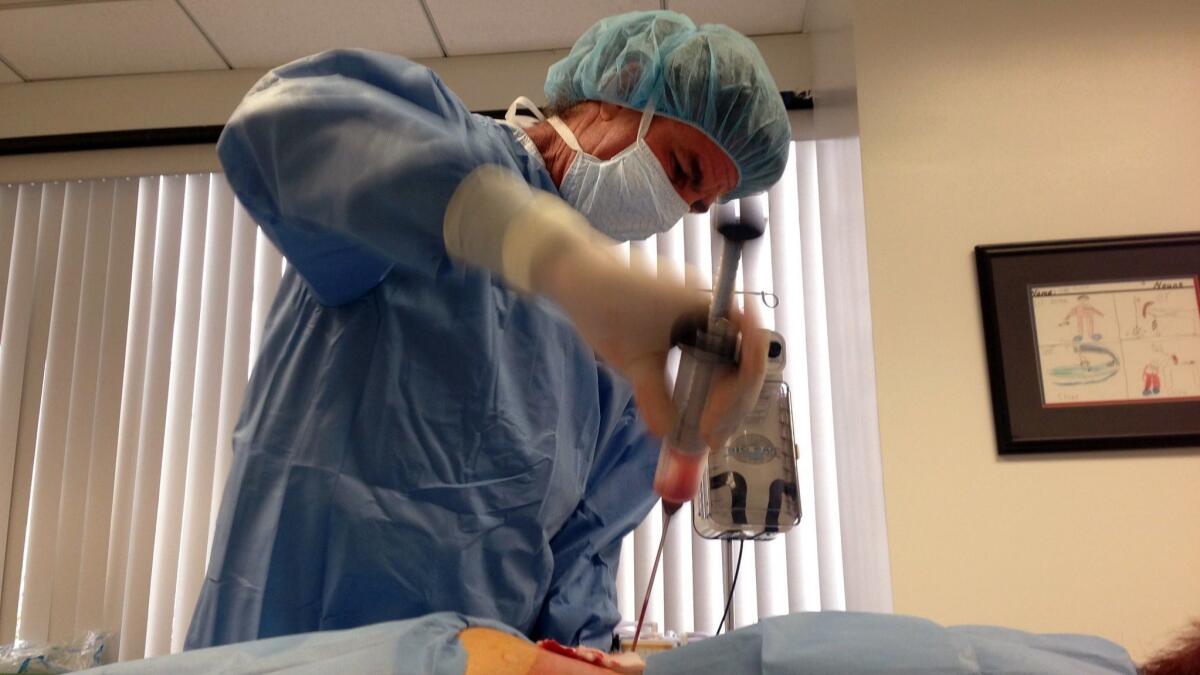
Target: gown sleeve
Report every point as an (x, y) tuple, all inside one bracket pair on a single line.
[(347, 160)]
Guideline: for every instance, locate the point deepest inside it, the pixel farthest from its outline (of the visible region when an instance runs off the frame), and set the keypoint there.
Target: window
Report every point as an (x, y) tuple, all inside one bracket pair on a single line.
[(132, 309)]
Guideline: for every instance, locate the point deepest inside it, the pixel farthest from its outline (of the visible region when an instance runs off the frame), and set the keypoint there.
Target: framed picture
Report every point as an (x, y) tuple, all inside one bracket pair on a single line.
[(1093, 344)]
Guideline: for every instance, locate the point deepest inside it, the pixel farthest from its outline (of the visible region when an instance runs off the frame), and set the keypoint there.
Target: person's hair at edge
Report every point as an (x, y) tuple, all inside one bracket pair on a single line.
[(1181, 658)]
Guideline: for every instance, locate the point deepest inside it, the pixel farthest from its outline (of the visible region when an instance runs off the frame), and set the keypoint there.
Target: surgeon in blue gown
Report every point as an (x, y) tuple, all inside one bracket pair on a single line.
[(443, 414)]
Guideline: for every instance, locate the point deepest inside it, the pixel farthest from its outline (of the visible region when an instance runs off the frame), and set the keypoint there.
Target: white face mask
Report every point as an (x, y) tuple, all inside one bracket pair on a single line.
[(626, 197)]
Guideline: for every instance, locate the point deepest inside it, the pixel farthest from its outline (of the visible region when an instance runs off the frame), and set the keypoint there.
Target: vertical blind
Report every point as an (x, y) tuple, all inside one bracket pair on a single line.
[(132, 311)]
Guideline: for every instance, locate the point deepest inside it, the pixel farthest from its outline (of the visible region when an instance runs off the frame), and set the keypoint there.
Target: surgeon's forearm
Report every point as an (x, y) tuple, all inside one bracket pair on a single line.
[(496, 221)]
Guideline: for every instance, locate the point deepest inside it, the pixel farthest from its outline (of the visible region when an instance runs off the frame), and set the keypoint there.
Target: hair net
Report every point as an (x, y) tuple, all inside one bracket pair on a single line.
[(710, 77)]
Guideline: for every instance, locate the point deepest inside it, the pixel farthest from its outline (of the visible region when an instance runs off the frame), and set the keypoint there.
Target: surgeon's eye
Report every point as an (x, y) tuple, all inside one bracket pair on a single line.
[(696, 176), (677, 175), (682, 179)]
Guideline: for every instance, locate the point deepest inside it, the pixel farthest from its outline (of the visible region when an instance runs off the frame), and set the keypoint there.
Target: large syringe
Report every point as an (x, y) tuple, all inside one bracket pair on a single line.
[(714, 347)]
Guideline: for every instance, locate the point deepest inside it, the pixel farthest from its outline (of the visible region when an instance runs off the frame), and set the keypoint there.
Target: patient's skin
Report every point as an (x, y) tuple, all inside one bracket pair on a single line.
[(494, 652)]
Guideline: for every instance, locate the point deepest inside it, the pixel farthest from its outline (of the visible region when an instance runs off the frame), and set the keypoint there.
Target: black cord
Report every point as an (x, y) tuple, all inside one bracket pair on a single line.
[(728, 601)]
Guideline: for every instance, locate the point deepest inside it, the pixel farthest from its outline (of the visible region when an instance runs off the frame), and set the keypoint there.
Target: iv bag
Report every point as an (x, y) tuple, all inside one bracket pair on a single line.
[(750, 487)]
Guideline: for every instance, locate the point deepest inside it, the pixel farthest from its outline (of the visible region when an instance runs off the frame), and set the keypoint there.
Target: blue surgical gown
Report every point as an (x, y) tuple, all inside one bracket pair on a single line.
[(834, 643), (815, 643), (416, 436), (427, 645)]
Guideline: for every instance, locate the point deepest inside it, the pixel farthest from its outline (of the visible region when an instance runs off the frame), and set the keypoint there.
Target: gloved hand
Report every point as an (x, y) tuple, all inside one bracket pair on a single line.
[(630, 317)]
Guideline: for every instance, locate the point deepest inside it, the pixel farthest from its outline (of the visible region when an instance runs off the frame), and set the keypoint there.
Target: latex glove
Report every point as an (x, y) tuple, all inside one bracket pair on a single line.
[(632, 319)]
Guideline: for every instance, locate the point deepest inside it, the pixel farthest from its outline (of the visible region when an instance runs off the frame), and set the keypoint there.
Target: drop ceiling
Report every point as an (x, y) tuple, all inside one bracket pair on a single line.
[(56, 39)]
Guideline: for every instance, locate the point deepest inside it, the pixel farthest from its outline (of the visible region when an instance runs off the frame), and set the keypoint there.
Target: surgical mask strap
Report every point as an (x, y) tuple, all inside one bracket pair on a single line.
[(568, 136), (647, 115), (514, 120), (565, 132)]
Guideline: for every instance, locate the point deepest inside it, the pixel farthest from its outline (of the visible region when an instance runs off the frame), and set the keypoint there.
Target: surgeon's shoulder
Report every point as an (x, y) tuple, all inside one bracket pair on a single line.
[(363, 64), (393, 74)]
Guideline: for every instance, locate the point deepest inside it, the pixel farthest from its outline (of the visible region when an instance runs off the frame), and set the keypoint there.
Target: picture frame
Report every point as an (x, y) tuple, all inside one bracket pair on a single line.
[(1093, 344)]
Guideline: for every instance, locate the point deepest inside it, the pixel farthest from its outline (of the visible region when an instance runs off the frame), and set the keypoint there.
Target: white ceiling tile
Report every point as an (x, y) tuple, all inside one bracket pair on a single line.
[(103, 38), (489, 27), (753, 17), (7, 75), (267, 33)]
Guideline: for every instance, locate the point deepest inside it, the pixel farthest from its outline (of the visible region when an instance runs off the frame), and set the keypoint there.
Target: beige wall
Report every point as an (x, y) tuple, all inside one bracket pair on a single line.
[(1016, 120)]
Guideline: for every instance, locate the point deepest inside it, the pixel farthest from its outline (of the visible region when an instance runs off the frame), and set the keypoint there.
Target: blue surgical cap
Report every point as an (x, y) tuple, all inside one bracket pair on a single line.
[(710, 77)]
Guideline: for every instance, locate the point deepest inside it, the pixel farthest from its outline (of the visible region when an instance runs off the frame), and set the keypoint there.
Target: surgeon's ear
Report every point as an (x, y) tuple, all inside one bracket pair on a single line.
[(609, 110)]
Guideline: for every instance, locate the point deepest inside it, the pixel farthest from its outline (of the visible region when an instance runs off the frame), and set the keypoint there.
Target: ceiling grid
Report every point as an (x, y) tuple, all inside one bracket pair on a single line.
[(437, 35), (203, 32), (8, 73), (55, 39)]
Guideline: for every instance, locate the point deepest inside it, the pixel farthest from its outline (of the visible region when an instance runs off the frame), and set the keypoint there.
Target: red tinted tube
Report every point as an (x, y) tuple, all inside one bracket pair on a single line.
[(677, 477)]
